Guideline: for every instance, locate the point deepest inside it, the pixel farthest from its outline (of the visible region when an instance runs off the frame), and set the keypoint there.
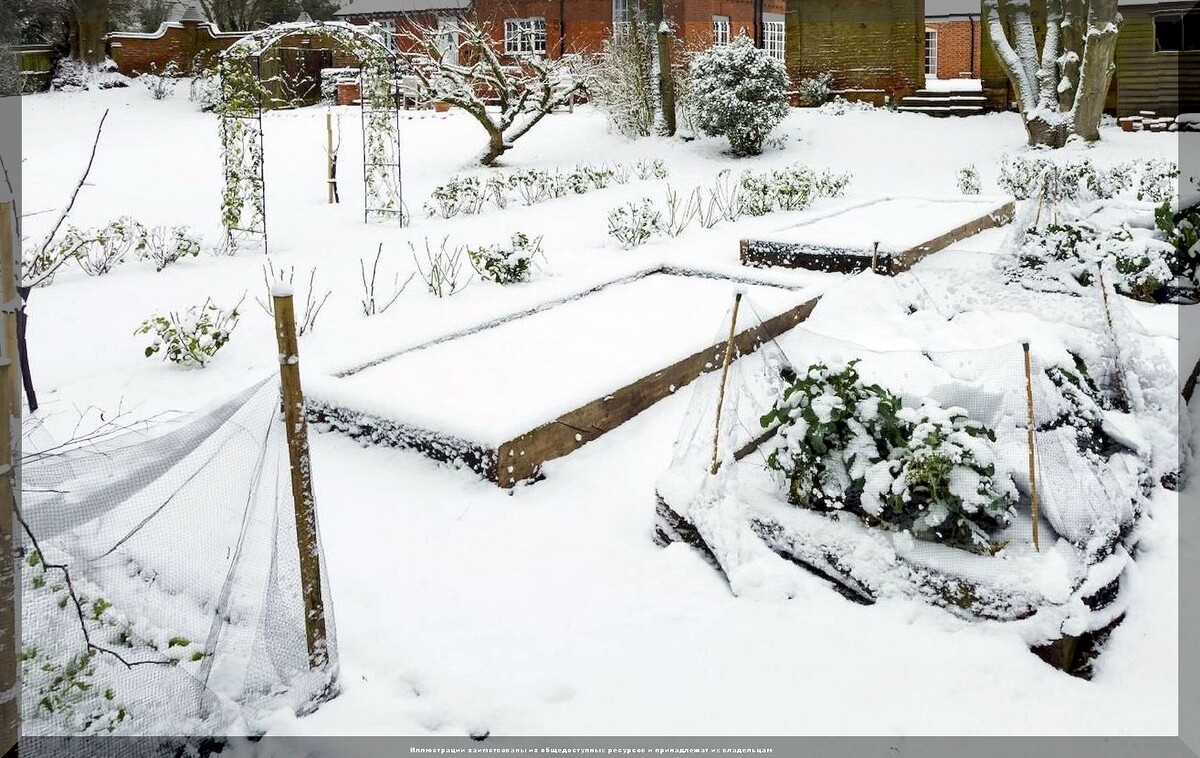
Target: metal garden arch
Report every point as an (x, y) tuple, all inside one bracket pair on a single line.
[(243, 199)]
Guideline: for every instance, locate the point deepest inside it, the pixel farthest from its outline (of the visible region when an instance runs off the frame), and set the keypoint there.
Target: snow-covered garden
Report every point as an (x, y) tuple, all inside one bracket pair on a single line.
[(548, 608)]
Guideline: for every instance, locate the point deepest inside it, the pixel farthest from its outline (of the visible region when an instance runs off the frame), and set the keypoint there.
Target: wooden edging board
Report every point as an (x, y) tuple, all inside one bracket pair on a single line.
[(767, 253), (520, 459)]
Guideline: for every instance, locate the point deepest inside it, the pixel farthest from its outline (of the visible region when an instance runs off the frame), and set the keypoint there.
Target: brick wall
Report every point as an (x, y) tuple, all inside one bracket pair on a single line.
[(958, 41), (876, 47), (180, 42)]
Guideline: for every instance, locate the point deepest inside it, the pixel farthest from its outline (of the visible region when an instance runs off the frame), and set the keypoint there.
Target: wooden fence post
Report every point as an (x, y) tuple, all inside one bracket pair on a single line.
[(716, 459), (302, 494), (10, 493), (1033, 492), (329, 175)]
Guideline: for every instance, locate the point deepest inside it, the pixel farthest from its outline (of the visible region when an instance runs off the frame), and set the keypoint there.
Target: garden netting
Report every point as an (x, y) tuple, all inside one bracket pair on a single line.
[(172, 549), (1088, 479)]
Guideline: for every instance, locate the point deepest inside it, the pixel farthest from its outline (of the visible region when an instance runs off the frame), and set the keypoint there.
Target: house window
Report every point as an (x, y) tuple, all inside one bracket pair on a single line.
[(524, 35), (620, 18), (385, 32), (447, 40), (1174, 33), (720, 30), (773, 38), (931, 68)]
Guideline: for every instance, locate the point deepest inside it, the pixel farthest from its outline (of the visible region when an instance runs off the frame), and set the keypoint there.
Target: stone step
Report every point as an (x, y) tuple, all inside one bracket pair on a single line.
[(980, 101), (943, 110), (954, 93)]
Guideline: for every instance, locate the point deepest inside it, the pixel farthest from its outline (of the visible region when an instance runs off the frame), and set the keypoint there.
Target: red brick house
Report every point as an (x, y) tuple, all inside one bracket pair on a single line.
[(563, 27), (953, 39)]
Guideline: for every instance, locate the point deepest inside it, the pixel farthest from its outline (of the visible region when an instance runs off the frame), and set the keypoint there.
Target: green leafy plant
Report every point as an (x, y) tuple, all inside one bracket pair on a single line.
[(634, 223), (508, 264), (194, 338)]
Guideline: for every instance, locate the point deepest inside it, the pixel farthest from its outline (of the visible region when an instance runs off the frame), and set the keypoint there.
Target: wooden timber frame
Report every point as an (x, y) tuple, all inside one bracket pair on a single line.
[(520, 459), (766, 253)]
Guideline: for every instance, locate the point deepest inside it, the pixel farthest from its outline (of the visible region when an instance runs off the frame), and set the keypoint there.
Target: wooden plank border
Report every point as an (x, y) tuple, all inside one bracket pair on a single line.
[(769, 253)]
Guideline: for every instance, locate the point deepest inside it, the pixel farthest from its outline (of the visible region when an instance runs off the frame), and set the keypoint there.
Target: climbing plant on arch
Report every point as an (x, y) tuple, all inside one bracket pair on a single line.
[(244, 94)]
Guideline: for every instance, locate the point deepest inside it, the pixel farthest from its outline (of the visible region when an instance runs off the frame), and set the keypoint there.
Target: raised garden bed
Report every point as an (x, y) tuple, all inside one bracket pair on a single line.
[(888, 235), (507, 397)]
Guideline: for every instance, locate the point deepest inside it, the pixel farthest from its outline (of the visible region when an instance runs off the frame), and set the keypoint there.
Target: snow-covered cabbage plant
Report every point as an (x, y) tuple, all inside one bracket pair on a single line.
[(815, 90), (845, 444), (506, 264), (160, 84), (165, 246), (739, 92), (968, 180), (193, 338), (635, 222), (943, 483)]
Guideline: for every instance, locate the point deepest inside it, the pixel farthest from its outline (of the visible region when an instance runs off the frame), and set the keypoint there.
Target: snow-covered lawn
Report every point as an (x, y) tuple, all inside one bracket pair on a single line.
[(548, 610)]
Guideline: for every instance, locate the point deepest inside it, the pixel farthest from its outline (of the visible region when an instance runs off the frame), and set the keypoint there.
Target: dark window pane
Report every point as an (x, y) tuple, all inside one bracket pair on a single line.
[(1191, 31), (1168, 33)]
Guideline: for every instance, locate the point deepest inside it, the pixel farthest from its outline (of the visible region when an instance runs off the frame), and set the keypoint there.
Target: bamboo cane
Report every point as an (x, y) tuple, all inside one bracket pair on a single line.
[(10, 495), (329, 157), (301, 470), (1029, 430), (716, 459)]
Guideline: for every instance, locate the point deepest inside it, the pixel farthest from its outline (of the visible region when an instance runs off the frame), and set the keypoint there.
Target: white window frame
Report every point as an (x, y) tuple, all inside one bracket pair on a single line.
[(525, 36), (774, 39), (720, 28), (385, 29), (931, 53)]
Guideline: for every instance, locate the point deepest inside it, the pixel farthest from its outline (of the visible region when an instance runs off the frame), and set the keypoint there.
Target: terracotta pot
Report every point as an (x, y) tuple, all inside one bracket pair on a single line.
[(1126, 125), (440, 106), (347, 93)]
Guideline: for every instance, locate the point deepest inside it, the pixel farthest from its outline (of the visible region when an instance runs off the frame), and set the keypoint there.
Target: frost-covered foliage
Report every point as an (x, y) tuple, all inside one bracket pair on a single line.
[(622, 80), (205, 89), (160, 84), (789, 189), (942, 484), (191, 339), (100, 251), (506, 264), (1078, 178), (1182, 234), (840, 106), (739, 92), (1066, 257), (468, 195), (845, 444), (635, 222), (815, 90), (968, 181), (73, 75)]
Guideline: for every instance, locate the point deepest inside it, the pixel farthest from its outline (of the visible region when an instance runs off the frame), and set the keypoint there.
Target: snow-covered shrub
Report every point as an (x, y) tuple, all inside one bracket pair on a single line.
[(1142, 264), (578, 181), (205, 89), (1183, 235), (757, 194), (1159, 181), (506, 264), (634, 223), (496, 189), (840, 106), (443, 269), (1106, 184), (845, 444), (968, 181), (831, 184), (599, 176), (815, 90), (622, 80), (160, 84), (651, 169), (943, 483), (103, 249), (165, 246), (462, 194), (739, 92), (73, 75), (194, 338), (621, 173), (1023, 177), (832, 428)]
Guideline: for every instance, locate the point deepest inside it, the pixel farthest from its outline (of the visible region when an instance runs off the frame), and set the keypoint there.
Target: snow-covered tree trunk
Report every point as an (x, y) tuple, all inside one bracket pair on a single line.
[(1062, 90), (524, 91)]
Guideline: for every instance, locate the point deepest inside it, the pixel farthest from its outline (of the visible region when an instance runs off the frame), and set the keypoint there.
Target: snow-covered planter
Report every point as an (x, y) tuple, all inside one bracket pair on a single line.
[(943, 483), (508, 264), (968, 181), (815, 90), (634, 223), (843, 444), (739, 92), (194, 338)]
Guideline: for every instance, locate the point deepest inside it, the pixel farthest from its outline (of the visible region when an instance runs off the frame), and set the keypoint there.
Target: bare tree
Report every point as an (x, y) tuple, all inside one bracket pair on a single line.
[(1062, 90), (524, 90)]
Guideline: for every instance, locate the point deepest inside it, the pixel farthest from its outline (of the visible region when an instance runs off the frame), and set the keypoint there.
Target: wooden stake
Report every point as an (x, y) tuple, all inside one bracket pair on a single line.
[(716, 459), (10, 493), (329, 179), (875, 259), (302, 494), (1033, 493)]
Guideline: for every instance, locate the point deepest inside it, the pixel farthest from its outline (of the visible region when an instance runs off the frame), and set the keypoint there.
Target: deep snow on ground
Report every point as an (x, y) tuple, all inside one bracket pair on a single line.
[(463, 608)]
